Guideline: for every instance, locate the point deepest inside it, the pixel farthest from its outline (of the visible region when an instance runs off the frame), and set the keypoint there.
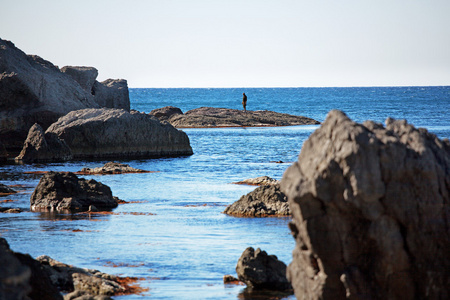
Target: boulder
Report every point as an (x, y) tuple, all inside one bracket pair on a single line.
[(262, 202), (111, 168), (112, 93), (262, 180), (165, 113), (43, 147), (261, 271), (371, 208), (116, 133), (224, 117), (85, 76), (62, 191)]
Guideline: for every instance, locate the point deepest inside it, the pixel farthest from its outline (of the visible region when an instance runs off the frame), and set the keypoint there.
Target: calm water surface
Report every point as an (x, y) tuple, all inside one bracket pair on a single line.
[(173, 233)]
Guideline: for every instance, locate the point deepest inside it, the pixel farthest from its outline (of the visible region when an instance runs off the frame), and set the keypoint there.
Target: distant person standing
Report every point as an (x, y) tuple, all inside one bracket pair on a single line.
[(244, 102)]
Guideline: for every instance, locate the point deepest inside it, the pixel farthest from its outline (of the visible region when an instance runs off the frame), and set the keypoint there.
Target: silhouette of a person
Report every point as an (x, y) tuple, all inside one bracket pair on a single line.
[(244, 101)]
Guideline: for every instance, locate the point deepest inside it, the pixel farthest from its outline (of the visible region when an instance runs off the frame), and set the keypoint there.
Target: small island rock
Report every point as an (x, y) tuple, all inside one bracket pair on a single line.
[(111, 168), (262, 180)]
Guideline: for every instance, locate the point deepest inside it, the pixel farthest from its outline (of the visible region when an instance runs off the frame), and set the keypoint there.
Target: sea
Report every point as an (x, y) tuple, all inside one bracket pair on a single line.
[(172, 234)]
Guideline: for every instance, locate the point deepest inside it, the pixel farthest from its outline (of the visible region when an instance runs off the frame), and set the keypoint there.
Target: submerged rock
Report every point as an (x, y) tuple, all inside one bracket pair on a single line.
[(371, 208), (261, 271), (262, 180), (108, 133), (262, 202), (224, 117), (43, 147), (6, 190), (111, 168), (65, 191)]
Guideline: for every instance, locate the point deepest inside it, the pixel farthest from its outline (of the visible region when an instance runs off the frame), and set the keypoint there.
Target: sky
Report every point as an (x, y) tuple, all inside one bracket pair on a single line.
[(239, 43)]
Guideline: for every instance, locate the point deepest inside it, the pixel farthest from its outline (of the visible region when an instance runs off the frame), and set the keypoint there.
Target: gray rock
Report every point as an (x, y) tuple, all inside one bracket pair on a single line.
[(224, 117), (112, 93), (116, 133), (85, 76), (165, 113), (261, 271), (371, 208), (62, 191), (43, 147), (262, 180), (262, 202)]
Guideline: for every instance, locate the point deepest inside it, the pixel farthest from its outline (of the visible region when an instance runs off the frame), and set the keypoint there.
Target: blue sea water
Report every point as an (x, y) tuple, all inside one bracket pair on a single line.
[(173, 233)]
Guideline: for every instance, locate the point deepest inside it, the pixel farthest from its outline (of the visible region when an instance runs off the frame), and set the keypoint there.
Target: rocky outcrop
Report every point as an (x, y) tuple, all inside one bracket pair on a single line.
[(111, 168), (116, 133), (43, 147), (165, 113), (264, 201), (59, 191), (224, 117), (262, 180), (112, 93), (33, 90), (371, 212), (6, 190), (261, 271)]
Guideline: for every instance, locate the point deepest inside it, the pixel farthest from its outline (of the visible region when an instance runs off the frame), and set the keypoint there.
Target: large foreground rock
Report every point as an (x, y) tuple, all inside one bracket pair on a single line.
[(371, 212), (43, 147), (66, 192), (261, 271), (33, 90), (116, 133), (224, 117), (262, 202)]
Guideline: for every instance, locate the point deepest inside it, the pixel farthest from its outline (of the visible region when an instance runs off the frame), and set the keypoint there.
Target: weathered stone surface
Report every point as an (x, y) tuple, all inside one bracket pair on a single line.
[(224, 117), (165, 113), (111, 168), (261, 271), (262, 180), (371, 208), (43, 147), (112, 93), (65, 191), (262, 202), (116, 133), (85, 76), (83, 295)]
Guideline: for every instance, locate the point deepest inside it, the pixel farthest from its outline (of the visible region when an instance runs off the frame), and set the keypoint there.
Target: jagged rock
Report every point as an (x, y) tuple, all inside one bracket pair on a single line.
[(65, 191), (262, 180), (112, 93), (43, 147), (108, 133), (6, 190), (224, 117), (111, 168), (262, 202), (261, 271), (371, 208), (33, 90), (165, 113), (85, 76)]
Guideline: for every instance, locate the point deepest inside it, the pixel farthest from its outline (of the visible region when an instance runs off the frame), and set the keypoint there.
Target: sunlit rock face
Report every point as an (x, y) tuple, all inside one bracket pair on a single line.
[(370, 207)]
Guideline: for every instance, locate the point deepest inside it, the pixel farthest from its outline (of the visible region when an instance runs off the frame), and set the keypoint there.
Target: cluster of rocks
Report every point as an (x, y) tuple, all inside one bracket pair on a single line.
[(223, 117), (23, 277), (371, 212), (111, 168), (264, 201), (52, 114)]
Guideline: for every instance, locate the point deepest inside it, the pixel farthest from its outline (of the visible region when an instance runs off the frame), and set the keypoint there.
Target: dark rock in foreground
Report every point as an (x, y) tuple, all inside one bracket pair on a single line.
[(262, 202), (111, 168), (371, 208), (116, 133), (58, 191), (43, 147), (261, 271), (224, 117)]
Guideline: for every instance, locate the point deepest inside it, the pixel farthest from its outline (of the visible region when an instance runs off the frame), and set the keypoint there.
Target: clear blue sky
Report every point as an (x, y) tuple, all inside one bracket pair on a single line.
[(239, 43)]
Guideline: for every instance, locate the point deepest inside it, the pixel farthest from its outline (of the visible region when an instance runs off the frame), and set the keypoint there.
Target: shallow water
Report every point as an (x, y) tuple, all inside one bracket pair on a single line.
[(173, 233)]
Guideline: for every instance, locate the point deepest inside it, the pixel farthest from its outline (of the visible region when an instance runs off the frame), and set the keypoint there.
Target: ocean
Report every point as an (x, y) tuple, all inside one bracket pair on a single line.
[(173, 233)]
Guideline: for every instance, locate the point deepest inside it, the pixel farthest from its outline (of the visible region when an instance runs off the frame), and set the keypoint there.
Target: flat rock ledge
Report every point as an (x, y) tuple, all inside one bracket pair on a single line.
[(264, 201), (64, 191), (111, 168), (371, 212), (259, 181), (205, 117)]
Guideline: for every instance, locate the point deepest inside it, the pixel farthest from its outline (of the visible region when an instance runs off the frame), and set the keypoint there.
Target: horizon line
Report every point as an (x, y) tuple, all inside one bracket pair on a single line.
[(290, 87)]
